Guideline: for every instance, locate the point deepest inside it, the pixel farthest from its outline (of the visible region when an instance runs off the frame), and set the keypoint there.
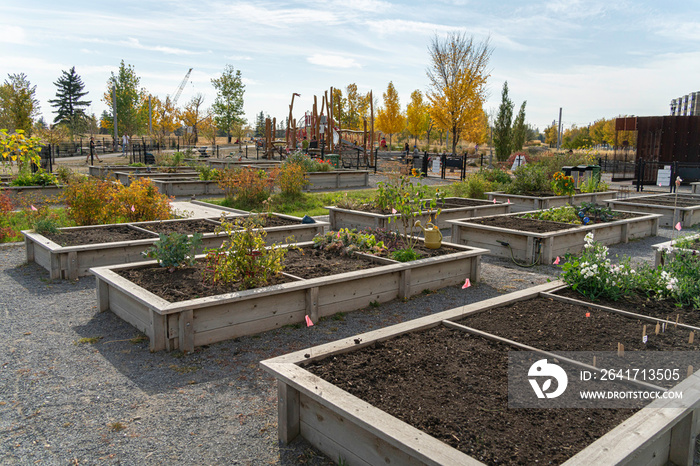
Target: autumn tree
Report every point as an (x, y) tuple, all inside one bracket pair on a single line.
[(18, 104), (502, 130), (390, 119), (228, 105), (207, 128), (357, 108), (131, 100), (519, 129), (417, 116), (192, 115), (551, 134), (165, 117), (70, 108), (457, 82)]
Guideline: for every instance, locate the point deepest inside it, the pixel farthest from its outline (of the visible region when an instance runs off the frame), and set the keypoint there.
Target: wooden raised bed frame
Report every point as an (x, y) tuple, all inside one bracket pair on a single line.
[(71, 262), (33, 193), (343, 426), (659, 248), (688, 216), (347, 218), (526, 203), (524, 244), (202, 321)]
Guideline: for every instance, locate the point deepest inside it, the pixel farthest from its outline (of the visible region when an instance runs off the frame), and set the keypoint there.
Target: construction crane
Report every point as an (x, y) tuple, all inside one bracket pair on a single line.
[(181, 87)]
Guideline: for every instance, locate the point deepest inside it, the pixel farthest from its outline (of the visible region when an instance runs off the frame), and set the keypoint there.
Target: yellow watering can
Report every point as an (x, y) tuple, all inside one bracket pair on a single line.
[(433, 237)]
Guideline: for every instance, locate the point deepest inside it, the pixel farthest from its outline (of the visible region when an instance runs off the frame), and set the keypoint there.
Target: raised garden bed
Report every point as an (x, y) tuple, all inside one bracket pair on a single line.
[(187, 187), (530, 240), (668, 250), (75, 260), (685, 208), (452, 208), (33, 193), (695, 187), (430, 391), (104, 171), (521, 203), (220, 164), (126, 177), (195, 322), (338, 179)]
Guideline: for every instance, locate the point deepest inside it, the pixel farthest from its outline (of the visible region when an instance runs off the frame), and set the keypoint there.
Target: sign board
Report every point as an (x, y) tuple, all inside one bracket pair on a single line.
[(436, 165), (519, 160), (663, 177)]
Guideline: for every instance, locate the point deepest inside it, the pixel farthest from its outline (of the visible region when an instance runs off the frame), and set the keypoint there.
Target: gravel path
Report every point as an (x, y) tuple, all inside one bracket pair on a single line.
[(79, 386)]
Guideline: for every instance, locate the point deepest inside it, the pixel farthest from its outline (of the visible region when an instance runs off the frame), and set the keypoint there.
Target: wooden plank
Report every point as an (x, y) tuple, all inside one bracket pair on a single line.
[(312, 303), (129, 310), (72, 265), (288, 412), (186, 330), (248, 328), (405, 284), (29, 249), (172, 332), (331, 448), (370, 448), (102, 292), (682, 442), (157, 332)]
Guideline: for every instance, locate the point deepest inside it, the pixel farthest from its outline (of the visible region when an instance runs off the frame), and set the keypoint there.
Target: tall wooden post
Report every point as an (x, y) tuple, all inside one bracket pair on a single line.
[(371, 131)]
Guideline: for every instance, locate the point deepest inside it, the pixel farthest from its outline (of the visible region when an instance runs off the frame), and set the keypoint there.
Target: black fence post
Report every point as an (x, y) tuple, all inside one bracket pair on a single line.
[(424, 165)]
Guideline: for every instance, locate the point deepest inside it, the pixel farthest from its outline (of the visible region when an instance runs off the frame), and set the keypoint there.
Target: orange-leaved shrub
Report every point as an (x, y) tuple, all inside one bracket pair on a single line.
[(291, 180), (247, 187), (141, 202)]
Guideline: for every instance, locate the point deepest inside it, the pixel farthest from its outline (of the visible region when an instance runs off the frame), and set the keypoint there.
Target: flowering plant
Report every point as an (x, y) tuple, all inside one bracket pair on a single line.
[(563, 185)]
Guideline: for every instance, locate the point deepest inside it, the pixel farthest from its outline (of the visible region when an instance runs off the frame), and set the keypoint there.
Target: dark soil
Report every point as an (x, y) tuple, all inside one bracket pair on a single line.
[(643, 305), (454, 387), (97, 235), (275, 221), (522, 224), (187, 283), (555, 326), (683, 201), (462, 202), (184, 226)]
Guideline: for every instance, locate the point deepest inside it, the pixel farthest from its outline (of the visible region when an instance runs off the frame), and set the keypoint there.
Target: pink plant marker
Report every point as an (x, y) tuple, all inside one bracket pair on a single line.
[(33, 208), (588, 314), (556, 261), (494, 201), (467, 284), (508, 201), (678, 226), (308, 321), (393, 211), (133, 209)]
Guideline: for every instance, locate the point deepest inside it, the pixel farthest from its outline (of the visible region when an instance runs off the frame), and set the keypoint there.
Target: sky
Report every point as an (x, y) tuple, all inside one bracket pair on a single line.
[(594, 59)]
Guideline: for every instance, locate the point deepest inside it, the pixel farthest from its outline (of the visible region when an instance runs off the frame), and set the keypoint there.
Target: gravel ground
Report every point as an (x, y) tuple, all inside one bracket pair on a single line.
[(80, 386)]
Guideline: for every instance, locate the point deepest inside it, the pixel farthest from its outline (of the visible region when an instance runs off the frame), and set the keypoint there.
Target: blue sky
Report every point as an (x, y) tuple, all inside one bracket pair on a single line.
[(596, 59)]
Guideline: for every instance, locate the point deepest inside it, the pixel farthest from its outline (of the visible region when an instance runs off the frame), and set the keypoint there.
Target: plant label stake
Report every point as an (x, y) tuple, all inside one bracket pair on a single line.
[(620, 350), (594, 361), (677, 317), (690, 371), (644, 334), (692, 337), (658, 328)]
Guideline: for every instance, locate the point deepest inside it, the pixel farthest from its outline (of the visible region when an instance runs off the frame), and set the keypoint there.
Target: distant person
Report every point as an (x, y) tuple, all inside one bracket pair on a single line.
[(305, 145), (313, 144), (416, 152), (92, 153), (382, 143), (125, 143), (406, 148)]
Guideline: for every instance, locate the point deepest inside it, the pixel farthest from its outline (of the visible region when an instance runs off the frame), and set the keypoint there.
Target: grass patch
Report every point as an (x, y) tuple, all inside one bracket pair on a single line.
[(138, 339), (339, 316), (26, 219), (117, 427), (184, 369)]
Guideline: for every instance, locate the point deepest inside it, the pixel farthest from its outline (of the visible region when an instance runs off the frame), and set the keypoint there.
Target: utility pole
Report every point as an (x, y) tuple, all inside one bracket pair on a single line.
[(150, 116), (114, 111), (559, 131)]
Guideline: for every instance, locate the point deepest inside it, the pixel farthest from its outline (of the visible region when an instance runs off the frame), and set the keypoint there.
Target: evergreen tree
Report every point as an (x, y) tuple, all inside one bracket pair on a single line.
[(502, 131), (260, 125), (70, 110), (520, 130)]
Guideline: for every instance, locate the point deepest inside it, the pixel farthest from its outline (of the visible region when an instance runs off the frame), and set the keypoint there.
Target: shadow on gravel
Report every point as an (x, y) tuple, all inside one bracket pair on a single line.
[(35, 280)]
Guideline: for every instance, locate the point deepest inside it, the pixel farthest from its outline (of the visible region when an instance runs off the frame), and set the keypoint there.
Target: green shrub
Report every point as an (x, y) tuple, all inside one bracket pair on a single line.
[(529, 179), (174, 250), (40, 178), (474, 186)]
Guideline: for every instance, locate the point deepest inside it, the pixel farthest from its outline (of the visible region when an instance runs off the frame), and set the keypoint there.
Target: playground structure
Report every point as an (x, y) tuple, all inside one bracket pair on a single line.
[(324, 134)]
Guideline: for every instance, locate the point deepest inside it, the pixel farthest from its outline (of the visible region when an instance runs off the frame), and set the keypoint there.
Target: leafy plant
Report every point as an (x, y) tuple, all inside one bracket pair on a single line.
[(19, 149), (595, 213), (247, 186), (687, 242), (528, 179), (405, 255), (244, 257), (46, 225), (475, 187), (88, 200), (39, 178), (347, 242), (206, 173), (291, 180), (593, 184), (565, 214), (563, 185), (174, 250)]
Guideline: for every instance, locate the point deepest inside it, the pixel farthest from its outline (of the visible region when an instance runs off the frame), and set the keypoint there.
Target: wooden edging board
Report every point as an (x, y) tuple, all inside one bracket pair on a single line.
[(522, 203), (671, 215), (530, 246), (33, 193), (667, 250), (170, 325), (362, 434), (348, 218), (71, 262), (337, 179)]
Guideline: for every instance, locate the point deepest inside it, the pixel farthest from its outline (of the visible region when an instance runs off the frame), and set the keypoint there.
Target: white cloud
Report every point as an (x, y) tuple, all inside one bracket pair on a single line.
[(13, 35), (333, 61)]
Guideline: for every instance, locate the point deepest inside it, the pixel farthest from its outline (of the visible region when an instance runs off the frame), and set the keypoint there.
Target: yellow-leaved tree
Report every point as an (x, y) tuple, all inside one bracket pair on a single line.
[(191, 117), (458, 84), (550, 135), (417, 116), (390, 119), (165, 118)]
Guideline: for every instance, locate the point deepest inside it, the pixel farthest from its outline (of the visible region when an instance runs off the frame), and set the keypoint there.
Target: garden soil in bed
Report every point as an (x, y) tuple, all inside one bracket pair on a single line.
[(522, 224), (660, 309), (188, 283), (97, 235), (186, 227), (552, 325), (667, 201), (455, 387)]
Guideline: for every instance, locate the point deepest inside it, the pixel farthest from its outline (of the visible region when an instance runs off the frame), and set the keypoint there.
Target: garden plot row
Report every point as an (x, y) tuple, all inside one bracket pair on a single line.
[(522, 203), (434, 390), (199, 321), (683, 208), (74, 250), (529, 240)]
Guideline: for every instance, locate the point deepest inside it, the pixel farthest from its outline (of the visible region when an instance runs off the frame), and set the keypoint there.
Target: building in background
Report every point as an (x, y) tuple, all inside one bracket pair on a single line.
[(688, 105)]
